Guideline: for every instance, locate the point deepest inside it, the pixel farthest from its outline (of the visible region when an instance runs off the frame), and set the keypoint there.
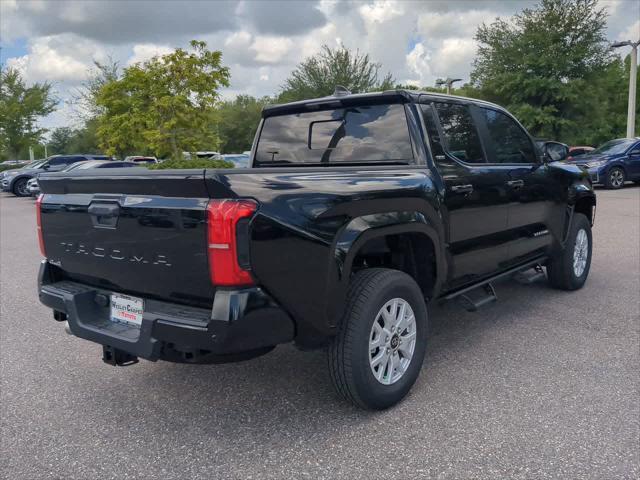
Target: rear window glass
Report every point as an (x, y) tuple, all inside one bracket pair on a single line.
[(375, 133)]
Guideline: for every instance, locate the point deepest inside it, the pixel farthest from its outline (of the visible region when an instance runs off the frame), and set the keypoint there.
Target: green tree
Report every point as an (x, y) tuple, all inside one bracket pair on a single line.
[(85, 139), (60, 140), (84, 99), (318, 76), (239, 119), (20, 108), (165, 105), (602, 108), (540, 63)]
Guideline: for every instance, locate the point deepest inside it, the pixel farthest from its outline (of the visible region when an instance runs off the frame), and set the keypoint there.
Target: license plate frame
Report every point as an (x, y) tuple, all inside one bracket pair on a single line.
[(126, 309)]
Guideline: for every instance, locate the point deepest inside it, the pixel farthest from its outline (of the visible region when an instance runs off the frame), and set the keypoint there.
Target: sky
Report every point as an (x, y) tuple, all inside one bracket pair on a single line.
[(261, 41)]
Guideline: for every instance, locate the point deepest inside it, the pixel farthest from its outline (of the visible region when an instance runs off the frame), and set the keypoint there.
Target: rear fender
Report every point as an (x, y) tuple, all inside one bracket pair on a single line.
[(361, 230)]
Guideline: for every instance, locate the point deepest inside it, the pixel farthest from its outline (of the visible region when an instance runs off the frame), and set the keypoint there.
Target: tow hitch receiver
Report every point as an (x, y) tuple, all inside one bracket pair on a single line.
[(116, 357)]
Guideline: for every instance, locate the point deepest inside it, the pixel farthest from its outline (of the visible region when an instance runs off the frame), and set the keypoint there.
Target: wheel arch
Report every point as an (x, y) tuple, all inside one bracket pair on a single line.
[(586, 204), (409, 233)]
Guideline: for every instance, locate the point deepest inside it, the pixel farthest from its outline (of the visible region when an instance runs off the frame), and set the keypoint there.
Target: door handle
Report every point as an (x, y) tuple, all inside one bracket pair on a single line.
[(462, 188), (516, 183)]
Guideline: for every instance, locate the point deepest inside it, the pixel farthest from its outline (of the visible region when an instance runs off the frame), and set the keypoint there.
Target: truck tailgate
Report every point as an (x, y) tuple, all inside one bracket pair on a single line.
[(142, 233)]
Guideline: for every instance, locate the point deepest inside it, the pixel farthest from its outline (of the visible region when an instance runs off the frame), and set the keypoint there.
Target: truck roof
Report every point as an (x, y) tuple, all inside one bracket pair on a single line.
[(393, 96)]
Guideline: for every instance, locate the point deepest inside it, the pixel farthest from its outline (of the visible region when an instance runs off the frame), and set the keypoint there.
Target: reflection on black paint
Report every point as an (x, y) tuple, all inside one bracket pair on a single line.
[(364, 134)]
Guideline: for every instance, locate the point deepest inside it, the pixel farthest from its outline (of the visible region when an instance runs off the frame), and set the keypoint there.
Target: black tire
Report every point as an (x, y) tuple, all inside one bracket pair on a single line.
[(615, 178), (20, 188), (560, 270), (348, 353)]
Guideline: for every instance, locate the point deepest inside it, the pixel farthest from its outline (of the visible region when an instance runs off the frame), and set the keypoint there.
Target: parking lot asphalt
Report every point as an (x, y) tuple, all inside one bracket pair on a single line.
[(541, 384)]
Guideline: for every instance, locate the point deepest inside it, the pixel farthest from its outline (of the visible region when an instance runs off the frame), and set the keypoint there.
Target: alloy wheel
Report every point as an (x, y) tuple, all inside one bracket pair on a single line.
[(392, 341), (580, 253), (617, 178), (21, 188)]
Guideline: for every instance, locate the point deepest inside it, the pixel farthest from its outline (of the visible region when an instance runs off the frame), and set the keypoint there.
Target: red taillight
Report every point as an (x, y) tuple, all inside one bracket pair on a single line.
[(39, 224), (222, 217)]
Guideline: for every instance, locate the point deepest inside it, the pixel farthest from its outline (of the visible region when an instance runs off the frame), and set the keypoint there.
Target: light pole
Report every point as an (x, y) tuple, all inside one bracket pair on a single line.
[(631, 107), (448, 82)]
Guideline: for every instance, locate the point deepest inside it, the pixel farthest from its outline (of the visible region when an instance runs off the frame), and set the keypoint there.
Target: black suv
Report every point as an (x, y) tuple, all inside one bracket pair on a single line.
[(356, 213)]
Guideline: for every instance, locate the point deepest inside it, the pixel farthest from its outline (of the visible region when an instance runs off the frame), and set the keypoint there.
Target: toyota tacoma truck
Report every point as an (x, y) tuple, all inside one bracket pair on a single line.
[(358, 210)]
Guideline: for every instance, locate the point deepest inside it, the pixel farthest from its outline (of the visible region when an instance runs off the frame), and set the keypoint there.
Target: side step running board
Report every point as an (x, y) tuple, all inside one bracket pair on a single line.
[(483, 293), (527, 277), (472, 301)]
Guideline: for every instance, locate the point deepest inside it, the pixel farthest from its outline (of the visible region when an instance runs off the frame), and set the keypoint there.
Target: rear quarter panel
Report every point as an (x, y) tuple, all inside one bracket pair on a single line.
[(307, 221)]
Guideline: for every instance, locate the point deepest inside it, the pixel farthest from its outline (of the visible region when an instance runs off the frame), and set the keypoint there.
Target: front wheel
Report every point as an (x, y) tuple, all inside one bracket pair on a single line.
[(378, 352), (615, 178), (569, 270), (20, 187)]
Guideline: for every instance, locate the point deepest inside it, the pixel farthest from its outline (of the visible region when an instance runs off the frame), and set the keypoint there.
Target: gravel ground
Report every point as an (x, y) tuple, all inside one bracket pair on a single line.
[(542, 384)]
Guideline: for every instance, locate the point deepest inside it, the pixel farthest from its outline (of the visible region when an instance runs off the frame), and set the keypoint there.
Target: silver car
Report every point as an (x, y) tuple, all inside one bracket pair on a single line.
[(33, 187)]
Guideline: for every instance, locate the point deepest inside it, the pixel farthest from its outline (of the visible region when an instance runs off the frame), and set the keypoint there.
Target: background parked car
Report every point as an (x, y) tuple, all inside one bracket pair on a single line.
[(15, 181), (203, 154), (100, 164), (9, 163), (239, 160), (577, 151), (33, 187), (141, 159), (613, 163)]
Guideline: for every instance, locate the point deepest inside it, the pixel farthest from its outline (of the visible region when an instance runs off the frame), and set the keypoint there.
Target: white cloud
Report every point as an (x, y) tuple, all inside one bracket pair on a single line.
[(381, 12), (146, 51), (57, 58), (271, 49), (452, 24), (454, 57), (632, 33), (261, 42), (418, 61)]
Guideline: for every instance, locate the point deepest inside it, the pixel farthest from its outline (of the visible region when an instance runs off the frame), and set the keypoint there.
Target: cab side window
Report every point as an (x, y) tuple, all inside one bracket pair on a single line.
[(437, 149), (461, 135), (510, 143), (58, 161)]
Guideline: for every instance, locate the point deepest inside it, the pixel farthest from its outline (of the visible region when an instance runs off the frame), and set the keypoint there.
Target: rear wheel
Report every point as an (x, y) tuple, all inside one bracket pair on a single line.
[(378, 352), (615, 178), (569, 270), (20, 187)]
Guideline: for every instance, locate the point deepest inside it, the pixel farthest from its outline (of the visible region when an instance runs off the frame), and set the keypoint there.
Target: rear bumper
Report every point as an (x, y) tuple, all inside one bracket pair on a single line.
[(242, 321)]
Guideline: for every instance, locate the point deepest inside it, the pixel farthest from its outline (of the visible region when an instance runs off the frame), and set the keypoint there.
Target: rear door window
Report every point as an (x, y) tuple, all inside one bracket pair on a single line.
[(461, 135), (357, 134)]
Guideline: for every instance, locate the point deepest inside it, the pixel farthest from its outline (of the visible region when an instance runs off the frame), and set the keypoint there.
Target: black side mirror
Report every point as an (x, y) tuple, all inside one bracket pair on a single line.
[(555, 152), (46, 166)]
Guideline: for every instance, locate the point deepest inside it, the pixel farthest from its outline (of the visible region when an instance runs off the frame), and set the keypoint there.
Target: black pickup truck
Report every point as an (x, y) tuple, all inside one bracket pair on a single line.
[(357, 211)]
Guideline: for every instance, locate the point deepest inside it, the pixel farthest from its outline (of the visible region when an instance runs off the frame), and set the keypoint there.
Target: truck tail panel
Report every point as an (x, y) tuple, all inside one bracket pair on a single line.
[(142, 235)]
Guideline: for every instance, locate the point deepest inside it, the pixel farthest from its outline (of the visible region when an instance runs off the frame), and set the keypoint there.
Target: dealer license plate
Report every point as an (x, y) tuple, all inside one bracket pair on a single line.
[(126, 309)]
